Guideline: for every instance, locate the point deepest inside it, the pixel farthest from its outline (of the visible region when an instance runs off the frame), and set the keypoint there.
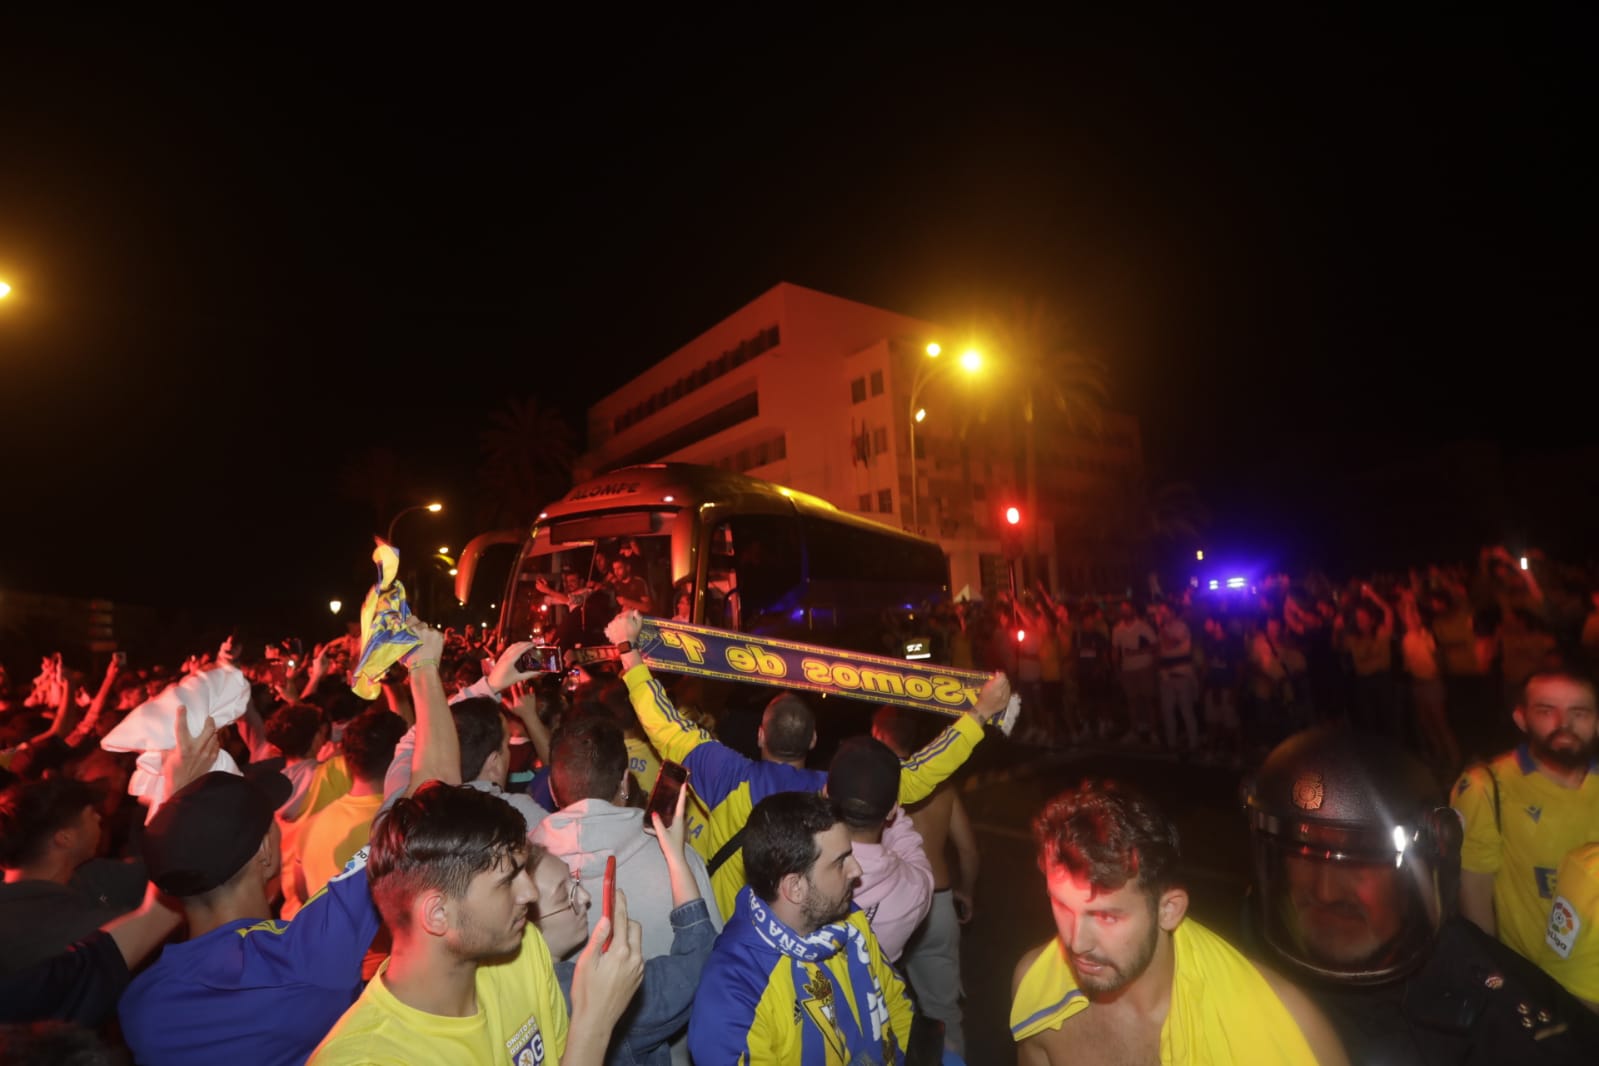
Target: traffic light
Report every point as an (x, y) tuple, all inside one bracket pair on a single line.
[(1010, 533)]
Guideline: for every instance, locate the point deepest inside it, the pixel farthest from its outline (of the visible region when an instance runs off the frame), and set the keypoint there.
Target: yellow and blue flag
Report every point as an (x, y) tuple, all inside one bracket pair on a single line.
[(386, 637)]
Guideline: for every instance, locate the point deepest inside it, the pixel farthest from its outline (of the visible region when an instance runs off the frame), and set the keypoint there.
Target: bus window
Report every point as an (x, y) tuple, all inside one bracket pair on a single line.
[(755, 569), (566, 592)]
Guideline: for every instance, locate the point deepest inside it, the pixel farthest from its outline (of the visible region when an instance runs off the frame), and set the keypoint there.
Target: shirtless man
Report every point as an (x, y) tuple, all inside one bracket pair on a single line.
[(932, 959), (1130, 979)]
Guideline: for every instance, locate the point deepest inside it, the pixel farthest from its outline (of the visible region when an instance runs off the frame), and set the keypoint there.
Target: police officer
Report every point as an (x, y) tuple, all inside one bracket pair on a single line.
[(1357, 865)]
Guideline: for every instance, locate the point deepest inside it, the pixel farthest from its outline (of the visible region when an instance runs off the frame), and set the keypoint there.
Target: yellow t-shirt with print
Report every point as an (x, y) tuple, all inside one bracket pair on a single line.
[(1538, 823), (520, 1020), (1570, 949)]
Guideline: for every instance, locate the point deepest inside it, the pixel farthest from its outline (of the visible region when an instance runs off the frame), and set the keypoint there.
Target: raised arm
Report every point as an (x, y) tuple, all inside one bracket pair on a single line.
[(86, 728), (672, 735), (437, 756), (927, 768), (603, 985)]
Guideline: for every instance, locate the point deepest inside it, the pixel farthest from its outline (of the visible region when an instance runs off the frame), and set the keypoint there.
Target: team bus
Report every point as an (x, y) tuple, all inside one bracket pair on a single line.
[(702, 545)]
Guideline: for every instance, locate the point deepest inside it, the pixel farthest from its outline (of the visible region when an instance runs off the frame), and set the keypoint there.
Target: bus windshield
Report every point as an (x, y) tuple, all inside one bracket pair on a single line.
[(567, 591)]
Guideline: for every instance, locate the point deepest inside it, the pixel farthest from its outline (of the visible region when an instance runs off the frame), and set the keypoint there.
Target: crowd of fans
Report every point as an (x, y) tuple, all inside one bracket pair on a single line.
[(243, 844), (1433, 658)]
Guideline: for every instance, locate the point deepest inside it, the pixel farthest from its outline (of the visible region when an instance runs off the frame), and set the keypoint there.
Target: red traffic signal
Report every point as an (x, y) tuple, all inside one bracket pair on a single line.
[(1013, 516)]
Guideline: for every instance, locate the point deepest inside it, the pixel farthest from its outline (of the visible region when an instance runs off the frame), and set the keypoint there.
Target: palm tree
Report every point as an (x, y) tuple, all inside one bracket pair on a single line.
[(528, 453), (1052, 377)]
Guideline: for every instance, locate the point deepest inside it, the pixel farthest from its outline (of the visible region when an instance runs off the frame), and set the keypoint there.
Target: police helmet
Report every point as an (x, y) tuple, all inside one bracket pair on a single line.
[(1356, 859)]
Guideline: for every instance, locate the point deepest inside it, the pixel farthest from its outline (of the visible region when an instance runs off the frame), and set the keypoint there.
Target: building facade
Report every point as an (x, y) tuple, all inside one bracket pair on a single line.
[(816, 392)]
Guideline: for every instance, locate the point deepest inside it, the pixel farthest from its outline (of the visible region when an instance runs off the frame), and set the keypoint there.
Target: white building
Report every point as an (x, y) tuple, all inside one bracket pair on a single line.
[(814, 392)]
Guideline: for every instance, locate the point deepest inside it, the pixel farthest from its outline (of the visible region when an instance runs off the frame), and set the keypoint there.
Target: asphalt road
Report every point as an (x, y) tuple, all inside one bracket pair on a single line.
[(1007, 787)]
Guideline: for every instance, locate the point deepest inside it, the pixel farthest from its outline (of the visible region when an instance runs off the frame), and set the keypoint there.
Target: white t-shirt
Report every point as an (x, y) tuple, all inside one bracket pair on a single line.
[(1135, 641)]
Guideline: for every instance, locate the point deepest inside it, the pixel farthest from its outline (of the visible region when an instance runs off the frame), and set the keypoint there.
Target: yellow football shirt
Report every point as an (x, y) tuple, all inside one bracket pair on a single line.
[(1538, 823), (520, 1020), (1570, 949)]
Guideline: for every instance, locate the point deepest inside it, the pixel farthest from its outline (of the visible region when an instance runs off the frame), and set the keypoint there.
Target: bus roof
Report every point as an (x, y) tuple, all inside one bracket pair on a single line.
[(686, 485)]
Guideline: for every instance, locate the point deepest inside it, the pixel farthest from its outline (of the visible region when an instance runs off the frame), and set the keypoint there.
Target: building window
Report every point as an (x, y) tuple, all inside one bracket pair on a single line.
[(877, 383), (885, 501), (866, 502), (879, 440), (857, 390)]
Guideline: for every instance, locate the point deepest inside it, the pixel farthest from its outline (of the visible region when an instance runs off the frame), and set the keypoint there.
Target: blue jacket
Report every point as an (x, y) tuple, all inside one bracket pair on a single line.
[(264, 992), (661, 1007)]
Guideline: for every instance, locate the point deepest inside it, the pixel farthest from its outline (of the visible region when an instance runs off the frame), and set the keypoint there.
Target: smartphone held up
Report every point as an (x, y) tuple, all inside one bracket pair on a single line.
[(663, 797), (541, 658)]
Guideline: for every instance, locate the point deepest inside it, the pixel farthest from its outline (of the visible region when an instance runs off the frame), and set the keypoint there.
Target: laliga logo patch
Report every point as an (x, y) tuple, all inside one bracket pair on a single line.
[(1563, 926), (1307, 792)]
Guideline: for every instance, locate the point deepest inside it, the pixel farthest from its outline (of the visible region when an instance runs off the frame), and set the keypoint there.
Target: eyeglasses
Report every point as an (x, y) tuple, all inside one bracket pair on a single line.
[(573, 886)]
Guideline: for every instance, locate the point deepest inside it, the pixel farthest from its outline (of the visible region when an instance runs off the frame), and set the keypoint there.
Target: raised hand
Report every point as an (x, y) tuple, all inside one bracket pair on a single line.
[(504, 673)]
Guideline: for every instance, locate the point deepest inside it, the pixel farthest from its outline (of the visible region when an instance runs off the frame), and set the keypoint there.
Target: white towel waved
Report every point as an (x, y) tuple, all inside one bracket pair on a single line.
[(221, 694)]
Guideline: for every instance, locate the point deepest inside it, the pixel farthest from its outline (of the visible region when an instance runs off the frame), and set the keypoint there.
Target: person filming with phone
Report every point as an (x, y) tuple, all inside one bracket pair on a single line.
[(590, 780)]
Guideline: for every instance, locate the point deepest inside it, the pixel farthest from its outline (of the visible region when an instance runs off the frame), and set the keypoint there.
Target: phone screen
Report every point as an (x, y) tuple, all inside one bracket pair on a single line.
[(663, 797), (540, 657), (609, 893)]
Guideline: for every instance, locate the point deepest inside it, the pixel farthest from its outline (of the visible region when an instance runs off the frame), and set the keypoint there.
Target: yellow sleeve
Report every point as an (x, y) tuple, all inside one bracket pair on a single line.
[(1570, 950), (898, 1003), (642, 762), (926, 769), (1483, 849), (672, 735)]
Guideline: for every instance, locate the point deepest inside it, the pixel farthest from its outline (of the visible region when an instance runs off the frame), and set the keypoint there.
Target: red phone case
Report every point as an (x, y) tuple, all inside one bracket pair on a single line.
[(609, 893)]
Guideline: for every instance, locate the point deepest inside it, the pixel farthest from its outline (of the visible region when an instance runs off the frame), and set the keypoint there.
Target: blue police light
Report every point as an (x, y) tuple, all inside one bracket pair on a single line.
[(1214, 584), (1237, 582)]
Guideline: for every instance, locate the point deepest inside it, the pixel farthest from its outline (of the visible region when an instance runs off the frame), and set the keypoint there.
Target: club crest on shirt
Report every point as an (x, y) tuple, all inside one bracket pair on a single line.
[(1534, 813), (526, 1048), (1308, 792)]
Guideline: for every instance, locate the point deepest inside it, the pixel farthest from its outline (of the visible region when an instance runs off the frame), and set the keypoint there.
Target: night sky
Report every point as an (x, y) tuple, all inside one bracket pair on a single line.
[(243, 251)]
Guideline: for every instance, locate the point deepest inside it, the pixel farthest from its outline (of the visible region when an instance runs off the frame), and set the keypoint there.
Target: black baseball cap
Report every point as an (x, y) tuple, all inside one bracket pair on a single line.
[(208, 830), (863, 781)]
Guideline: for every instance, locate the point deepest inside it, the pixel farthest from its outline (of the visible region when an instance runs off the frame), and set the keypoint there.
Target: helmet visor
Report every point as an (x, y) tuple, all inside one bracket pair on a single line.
[(1346, 916)]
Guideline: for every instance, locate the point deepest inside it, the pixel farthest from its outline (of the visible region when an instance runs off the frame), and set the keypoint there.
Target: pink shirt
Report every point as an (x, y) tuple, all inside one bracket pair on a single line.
[(896, 889)]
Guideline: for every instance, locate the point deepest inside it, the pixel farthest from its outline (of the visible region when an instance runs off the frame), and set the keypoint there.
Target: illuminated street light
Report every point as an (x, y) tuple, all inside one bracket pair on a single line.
[(335, 605), (1013, 516), (434, 508), (444, 550), (5, 290), (453, 571), (971, 362), (1199, 555)]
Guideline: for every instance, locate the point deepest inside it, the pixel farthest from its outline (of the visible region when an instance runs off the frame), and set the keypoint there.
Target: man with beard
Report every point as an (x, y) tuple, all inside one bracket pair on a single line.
[(797, 977), (1356, 868), (1130, 978), (1527, 808)]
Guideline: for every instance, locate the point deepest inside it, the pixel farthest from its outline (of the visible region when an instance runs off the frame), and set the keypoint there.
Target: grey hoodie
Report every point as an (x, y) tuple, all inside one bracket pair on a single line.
[(584, 834)]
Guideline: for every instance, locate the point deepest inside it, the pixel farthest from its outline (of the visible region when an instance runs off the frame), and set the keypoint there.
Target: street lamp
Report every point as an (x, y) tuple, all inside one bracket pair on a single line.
[(335, 605), (926, 370), (433, 507), (5, 290)]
